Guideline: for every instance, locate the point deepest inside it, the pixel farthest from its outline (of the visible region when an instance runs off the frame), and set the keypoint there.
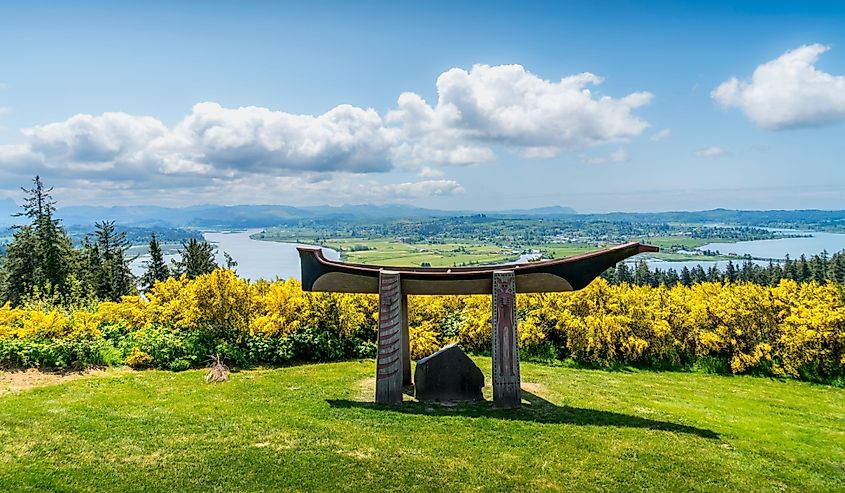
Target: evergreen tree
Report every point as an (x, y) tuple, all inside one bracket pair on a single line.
[(697, 274), (804, 274), (41, 254), (714, 274), (622, 274), (774, 274), (818, 266), (157, 269), (746, 272), (20, 266), (642, 275), (789, 269), (107, 265), (670, 277), (686, 276), (197, 258), (839, 267), (231, 264), (730, 272)]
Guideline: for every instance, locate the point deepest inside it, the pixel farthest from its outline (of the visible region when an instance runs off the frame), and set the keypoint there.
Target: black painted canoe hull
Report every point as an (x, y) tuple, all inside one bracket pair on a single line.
[(566, 274)]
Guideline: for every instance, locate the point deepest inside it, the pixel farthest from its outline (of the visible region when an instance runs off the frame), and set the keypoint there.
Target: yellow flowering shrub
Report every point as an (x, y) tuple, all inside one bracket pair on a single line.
[(795, 330), (138, 359), (10, 320), (423, 339), (49, 325), (281, 306)]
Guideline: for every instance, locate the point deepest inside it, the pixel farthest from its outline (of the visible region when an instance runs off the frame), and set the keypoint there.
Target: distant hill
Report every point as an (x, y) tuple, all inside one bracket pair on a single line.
[(554, 210), (257, 216), (260, 216)]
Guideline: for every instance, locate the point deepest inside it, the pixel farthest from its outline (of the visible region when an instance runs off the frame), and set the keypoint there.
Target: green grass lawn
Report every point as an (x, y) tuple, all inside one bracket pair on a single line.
[(312, 428)]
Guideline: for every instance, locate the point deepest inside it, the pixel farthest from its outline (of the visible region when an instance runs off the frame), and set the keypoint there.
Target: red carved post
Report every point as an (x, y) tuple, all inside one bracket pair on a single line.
[(389, 359), (506, 390)]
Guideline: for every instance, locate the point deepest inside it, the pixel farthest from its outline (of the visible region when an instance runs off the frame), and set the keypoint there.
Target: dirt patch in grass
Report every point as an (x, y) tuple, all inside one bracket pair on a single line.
[(367, 389), (535, 388), (12, 382)]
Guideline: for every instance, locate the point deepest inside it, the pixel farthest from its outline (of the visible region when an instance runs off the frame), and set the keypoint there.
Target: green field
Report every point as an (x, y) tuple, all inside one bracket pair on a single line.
[(459, 252), (390, 252), (312, 428)]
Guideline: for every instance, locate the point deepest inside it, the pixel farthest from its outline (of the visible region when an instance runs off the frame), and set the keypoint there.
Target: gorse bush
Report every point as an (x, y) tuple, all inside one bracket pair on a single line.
[(789, 330)]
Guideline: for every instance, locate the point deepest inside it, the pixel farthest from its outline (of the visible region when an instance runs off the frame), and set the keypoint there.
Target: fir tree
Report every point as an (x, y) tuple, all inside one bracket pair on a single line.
[(686, 277), (197, 258), (41, 254), (804, 274), (107, 264), (622, 274), (789, 269), (714, 274), (730, 272), (642, 275), (20, 266), (839, 268), (157, 269), (774, 274), (698, 275)]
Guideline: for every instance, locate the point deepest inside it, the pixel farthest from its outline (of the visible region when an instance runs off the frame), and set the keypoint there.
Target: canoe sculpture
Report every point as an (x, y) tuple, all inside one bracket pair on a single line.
[(565, 274)]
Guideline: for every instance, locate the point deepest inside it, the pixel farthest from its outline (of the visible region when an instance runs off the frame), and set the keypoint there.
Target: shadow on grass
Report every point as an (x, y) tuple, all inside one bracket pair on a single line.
[(537, 410)]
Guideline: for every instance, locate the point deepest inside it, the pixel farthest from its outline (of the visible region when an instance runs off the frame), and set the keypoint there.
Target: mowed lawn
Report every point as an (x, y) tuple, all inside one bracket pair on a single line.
[(311, 428)]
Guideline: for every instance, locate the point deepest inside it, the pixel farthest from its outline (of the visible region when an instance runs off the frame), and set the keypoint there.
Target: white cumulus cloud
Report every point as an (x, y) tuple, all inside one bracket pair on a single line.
[(429, 172), (712, 151), (787, 92), (210, 141), (508, 105), (111, 141), (345, 138), (214, 149)]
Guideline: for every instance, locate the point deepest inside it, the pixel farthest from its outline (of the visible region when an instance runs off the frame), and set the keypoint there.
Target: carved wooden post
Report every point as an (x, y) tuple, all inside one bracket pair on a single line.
[(406, 344), (506, 390), (389, 359)]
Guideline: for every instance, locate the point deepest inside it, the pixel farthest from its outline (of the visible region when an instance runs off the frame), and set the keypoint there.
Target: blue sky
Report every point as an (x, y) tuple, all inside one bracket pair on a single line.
[(259, 102)]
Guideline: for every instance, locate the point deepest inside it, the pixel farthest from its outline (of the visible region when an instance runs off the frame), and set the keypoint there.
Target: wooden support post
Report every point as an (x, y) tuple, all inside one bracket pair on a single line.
[(389, 365), (506, 390), (406, 344)]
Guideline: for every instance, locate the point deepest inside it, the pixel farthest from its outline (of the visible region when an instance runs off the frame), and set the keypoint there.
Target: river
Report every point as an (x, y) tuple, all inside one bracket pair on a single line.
[(763, 249), (256, 259)]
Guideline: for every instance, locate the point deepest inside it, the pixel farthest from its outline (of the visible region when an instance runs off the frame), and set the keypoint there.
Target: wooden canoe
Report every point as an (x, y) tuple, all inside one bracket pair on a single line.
[(565, 274)]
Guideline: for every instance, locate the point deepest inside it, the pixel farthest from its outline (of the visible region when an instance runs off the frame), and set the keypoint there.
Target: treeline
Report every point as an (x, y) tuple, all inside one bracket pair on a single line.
[(820, 268), (42, 264)]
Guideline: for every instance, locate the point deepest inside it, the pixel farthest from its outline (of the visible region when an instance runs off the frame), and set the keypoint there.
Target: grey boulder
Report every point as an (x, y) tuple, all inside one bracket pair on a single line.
[(448, 375)]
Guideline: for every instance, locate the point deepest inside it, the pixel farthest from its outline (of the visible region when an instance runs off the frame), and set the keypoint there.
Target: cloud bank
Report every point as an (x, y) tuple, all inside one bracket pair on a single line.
[(477, 113), (787, 92)]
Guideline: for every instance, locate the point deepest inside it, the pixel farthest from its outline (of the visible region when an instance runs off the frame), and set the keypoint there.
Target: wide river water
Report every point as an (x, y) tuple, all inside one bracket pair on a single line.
[(259, 259), (256, 259)]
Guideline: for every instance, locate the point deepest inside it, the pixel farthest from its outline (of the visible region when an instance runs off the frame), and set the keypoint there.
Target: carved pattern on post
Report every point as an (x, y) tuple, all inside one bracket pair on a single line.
[(406, 344), (389, 359), (506, 389)]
